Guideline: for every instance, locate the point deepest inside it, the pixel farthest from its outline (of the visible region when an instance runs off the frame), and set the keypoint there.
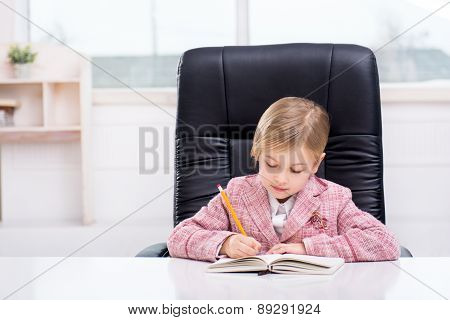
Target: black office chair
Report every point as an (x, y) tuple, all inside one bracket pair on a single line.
[(223, 91)]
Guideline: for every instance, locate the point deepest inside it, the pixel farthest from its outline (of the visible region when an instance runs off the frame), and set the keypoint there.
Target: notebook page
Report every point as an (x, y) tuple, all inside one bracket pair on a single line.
[(269, 258), (251, 260), (327, 262)]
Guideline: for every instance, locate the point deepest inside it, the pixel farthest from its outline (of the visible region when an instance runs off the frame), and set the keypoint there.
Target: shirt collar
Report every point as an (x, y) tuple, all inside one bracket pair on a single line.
[(274, 204)]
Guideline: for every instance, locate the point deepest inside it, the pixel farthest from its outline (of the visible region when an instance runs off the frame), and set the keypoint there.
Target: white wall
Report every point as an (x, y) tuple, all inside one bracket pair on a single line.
[(41, 182), (416, 154), (119, 187), (417, 173)]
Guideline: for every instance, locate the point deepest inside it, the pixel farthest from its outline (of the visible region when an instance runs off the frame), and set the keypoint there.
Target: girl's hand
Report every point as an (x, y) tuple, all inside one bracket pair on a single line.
[(295, 248), (239, 246)]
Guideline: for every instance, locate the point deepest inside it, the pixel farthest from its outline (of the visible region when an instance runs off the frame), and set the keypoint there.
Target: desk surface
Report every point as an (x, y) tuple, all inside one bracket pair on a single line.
[(173, 278)]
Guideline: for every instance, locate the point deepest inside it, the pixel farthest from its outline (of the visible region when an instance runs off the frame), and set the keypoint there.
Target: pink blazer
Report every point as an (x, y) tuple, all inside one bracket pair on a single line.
[(324, 217)]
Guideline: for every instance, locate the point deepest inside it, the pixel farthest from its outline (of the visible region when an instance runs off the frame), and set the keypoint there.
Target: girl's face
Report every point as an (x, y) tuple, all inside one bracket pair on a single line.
[(284, 173)]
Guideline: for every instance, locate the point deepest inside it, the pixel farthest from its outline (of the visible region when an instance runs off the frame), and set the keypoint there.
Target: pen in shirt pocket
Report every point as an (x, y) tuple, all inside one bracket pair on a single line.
[(231, 210)]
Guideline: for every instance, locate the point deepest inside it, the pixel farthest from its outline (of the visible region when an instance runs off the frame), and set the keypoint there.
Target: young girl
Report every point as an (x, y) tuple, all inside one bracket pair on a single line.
[(285, 208)]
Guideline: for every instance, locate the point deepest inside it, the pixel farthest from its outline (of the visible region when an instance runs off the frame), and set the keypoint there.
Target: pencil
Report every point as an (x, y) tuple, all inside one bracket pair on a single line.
[(231, 210)]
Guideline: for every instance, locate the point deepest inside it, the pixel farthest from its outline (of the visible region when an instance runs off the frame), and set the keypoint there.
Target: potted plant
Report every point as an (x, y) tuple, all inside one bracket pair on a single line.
[(21, 58)]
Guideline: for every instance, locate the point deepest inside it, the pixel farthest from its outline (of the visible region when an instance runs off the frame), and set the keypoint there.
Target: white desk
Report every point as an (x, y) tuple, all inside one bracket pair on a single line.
[(172, 278)]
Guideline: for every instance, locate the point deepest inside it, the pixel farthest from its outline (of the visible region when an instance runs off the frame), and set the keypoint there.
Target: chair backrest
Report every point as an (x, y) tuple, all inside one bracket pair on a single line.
[(223, 91)]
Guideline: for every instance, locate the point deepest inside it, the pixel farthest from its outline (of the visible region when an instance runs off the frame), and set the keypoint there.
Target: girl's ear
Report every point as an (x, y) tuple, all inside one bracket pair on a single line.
[(316, 166)]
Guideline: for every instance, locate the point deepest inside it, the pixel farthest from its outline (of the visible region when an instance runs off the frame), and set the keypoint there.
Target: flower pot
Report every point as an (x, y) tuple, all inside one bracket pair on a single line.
[(22, 70)]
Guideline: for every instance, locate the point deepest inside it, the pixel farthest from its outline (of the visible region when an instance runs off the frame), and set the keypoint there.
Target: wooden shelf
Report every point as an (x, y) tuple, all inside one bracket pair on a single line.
[(39, 129), (39, 134), (37, 81)]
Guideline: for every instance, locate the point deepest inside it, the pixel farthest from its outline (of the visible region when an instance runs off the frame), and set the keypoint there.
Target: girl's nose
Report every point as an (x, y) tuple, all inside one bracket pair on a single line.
[(281, 180)]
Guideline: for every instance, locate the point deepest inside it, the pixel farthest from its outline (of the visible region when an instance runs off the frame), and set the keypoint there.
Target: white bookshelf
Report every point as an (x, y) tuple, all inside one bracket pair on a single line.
[(55, 106)]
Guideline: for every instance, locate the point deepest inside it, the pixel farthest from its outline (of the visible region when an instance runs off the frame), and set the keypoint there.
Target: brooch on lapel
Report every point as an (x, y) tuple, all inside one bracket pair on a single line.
[(318, 221)]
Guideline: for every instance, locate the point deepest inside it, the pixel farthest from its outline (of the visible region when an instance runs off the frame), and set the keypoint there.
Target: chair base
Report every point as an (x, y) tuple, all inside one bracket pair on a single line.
[(405, 253), (156, 250)]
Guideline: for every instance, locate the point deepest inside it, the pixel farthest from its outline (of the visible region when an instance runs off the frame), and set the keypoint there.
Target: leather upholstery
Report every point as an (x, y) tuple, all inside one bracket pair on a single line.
[(229, 88)]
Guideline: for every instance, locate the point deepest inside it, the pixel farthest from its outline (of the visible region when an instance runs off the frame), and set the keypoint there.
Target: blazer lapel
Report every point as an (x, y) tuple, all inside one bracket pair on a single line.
[(257, 205), (306, 203)]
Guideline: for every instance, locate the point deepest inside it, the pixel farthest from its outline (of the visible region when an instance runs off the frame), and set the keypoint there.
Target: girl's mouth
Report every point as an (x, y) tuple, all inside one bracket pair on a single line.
[(279, 189)]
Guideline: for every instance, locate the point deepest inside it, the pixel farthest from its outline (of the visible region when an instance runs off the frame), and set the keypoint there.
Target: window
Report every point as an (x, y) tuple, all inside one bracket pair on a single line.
[(423, 53), (140, 42)]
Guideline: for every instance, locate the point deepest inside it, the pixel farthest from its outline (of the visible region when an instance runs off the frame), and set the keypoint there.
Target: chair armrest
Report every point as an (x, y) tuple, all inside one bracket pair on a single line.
[(405, 252), (155, 250)]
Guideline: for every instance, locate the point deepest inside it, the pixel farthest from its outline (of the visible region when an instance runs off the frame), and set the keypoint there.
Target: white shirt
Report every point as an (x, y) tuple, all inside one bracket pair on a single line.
[(279, 212)]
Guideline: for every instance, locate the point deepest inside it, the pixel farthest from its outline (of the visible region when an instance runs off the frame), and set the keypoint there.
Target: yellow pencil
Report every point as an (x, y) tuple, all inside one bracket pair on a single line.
[(231, 210)]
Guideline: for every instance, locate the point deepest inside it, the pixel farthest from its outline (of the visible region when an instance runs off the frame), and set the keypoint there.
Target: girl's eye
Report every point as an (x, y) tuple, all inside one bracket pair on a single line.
[(296, 171), (271, 166)]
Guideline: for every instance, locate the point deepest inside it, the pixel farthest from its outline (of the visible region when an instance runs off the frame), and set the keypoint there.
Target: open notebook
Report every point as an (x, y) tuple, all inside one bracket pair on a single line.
[(278, 263)]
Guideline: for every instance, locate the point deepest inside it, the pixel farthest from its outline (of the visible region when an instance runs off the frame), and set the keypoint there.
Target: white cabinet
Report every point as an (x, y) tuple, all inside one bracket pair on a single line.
[(55, 105)]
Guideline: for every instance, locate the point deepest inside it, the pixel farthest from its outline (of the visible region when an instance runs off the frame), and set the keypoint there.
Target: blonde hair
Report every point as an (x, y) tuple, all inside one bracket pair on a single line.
[(291, 123)]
